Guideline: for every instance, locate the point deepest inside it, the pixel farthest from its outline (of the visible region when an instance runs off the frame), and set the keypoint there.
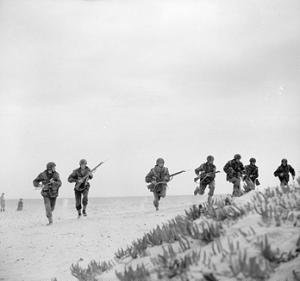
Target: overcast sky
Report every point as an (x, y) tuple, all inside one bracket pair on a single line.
[(134, 80)]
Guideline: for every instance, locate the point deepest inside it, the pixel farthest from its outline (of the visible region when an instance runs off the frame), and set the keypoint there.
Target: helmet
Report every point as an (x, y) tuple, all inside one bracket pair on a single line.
[(252, 160), (160, 160), (50, 165), (82, 162), (284, 161), (237, 157), (210, 158)]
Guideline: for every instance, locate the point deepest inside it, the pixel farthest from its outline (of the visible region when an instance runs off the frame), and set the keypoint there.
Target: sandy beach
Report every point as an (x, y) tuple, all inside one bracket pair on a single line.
[(32, 251)]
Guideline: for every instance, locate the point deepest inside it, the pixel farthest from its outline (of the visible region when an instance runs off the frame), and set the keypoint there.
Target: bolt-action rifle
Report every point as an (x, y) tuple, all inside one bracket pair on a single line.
[(83, 181)]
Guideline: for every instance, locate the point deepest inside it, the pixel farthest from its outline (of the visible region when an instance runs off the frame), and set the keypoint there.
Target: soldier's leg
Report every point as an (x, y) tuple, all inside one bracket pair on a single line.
[(52, 203), (47, 204), (78, 201), (211, 192), (236, 187), (247, 186), (202, 188), (156, 200), (163, 191), (85, 200)]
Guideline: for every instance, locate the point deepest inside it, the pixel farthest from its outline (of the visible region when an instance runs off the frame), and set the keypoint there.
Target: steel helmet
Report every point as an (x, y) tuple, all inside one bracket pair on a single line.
[(160, 160), (82, 162), (284, 161), (237, 157), (210, 158), (50, 165), (252, 160)]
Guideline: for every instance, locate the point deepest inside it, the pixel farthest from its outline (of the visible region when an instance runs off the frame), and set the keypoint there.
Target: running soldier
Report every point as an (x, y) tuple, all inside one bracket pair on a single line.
[(234, 170), (158, 177), (283, 172), (50, 183), (251, 176), (81, 176), (206, 174)]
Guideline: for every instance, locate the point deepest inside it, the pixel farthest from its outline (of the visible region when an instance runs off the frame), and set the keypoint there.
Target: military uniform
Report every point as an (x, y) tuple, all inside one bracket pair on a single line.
[(251, 177), (282, 173), (234, 170), (51, 184), (82, 190), (206, 179), (158, 174)]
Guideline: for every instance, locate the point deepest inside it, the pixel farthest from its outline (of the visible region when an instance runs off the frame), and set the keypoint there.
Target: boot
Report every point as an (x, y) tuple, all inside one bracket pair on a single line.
[(79, 213), (50, 221), (84, 212)]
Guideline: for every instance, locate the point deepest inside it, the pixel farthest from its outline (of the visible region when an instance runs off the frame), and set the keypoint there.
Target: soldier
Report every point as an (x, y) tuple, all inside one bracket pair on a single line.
[(50, 183), (81, 176), (20, 205), (2, 203), (158, 177), (251, 175), (234, 170), (207, 177), (283, 171)]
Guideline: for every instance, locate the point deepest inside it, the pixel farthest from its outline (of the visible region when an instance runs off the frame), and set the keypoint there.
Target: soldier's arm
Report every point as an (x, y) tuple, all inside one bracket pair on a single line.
[(73, 177), (256, 173), (198, 170), (90, 175), (37, 180), (292, 171), (227, 168), (57, 180), (167, 175), (277, 172), (149, 177)]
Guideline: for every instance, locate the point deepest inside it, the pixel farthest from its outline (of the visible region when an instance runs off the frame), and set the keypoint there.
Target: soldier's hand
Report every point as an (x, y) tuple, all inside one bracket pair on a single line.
[(153, 182), (281, 174), (52, 181), (80, 181)]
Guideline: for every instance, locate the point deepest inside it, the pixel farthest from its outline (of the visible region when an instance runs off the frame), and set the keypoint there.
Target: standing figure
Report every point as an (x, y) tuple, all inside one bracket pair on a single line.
[(206, 173), (2, 203), (283, 172), (20, 205), (158, 177), (50, 183), (81, 176), (234, 170), (251, 175)]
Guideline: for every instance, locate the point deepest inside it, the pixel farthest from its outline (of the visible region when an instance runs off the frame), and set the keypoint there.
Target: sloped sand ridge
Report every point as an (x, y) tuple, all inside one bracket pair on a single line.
[(257, 237)]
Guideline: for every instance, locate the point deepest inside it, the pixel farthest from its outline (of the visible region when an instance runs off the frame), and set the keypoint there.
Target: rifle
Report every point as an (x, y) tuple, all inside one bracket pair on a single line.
[(46, 185), (206, 175), (171, 176), (84, 179)]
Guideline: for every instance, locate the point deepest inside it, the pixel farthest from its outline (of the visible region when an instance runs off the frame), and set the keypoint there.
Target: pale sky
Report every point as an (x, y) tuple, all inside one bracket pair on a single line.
[(134, 80)]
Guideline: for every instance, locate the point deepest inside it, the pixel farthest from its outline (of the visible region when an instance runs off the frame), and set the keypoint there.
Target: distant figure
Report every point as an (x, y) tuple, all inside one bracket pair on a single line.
[(158, 177), (2, 203), (206, 174), (50, 183), (283, 172), (234, 170), (251, 175), (20, 205), (81, 177)]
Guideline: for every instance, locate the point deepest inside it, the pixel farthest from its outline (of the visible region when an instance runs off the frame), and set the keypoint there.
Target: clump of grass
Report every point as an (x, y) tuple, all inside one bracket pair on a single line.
[(93, 269), (138, 274), (254, 267), (170, 267)]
